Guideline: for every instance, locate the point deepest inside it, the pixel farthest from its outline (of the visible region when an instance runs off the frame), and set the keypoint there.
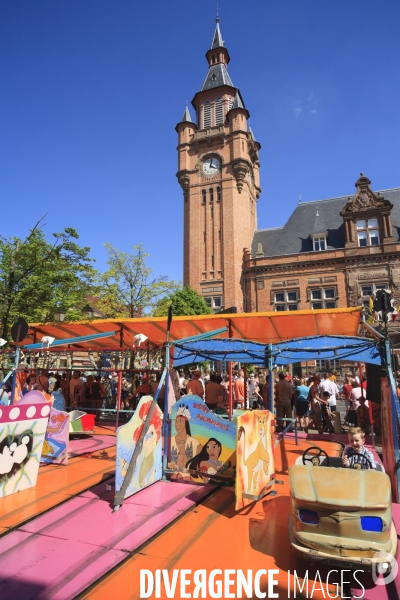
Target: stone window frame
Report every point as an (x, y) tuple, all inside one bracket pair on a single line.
[(366, 230), (324, 301), (285, 304), (211, 302), (374, 288)]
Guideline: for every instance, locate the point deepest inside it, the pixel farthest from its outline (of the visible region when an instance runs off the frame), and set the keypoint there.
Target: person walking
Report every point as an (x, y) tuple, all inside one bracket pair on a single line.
[(302, 404), (284, 395), (327, 385)]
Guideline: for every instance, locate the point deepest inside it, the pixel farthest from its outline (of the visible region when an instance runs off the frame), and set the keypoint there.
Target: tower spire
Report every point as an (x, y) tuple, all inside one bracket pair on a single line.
[(217, 39)]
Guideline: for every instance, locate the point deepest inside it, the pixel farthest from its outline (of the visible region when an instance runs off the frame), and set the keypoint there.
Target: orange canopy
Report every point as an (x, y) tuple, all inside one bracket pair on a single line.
[(267, 328)]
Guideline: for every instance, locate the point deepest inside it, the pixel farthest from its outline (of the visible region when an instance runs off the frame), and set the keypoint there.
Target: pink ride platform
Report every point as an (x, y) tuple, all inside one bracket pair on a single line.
[(61, 553)]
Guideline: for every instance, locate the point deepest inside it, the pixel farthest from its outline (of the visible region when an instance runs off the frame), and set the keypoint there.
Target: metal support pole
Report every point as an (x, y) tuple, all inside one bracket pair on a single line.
[(363, 394), (14, 379), (245, 387), (165, 426), (394, 411), (230, 395), (271, 378), (119, 389)]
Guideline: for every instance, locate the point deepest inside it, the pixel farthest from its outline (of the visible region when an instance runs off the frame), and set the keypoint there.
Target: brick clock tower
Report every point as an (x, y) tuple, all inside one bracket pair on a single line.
[(219, 174)]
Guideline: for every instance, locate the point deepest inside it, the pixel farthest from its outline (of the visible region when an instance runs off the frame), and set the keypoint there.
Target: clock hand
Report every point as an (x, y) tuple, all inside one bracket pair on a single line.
[(211, 165)]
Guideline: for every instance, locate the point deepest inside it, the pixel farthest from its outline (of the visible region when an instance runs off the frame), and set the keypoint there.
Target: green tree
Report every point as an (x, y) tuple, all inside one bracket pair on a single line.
[(128, 288), (185, 301), (37, 276)]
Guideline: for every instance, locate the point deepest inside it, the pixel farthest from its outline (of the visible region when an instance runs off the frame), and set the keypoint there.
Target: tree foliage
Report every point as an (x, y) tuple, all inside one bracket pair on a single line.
[(37, 276), (128, 288), (185, 301)]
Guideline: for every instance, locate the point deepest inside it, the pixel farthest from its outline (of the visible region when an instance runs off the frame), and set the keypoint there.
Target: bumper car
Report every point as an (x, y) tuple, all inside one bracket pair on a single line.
[(340, 516)]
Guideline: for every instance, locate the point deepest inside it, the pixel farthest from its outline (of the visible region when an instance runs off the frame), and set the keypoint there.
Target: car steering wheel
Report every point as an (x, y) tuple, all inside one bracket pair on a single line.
[(314, 458), (361, 461)]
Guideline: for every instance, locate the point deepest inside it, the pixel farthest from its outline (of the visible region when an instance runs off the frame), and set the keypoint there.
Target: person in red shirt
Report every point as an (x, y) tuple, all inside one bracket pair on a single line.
[(238, 389), (347, 389)]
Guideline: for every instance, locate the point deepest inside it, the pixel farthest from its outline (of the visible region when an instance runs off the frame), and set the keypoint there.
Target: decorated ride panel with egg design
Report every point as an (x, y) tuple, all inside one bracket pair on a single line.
[(22, 431)]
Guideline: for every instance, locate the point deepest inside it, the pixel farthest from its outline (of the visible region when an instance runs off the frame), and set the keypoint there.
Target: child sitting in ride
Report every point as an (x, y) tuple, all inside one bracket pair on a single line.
[(355, 455)]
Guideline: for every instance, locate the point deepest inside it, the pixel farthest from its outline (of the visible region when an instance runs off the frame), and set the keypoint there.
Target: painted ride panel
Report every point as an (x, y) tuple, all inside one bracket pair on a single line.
[(55, 446), (148, 467), (255, 456), (202, 444), (22, 432)]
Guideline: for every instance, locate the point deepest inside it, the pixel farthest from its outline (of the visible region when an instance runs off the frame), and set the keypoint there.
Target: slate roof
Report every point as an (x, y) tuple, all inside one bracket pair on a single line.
[(251, 133), (217, 75), (238, 102), (186, 116), (318, 216)]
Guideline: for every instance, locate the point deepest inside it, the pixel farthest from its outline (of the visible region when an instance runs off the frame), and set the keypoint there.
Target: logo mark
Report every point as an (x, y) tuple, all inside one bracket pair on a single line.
[(384, 568)]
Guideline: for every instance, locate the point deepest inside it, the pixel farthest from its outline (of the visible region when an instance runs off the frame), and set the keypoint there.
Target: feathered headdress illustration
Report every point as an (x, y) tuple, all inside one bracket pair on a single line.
[(183, 412)]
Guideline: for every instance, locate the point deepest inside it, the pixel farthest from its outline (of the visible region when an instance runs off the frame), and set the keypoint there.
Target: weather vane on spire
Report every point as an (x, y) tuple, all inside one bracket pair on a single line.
[(217, 17)]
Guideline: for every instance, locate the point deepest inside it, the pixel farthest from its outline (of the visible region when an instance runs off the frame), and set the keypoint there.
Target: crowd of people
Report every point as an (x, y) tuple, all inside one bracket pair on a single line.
[(312, 401)]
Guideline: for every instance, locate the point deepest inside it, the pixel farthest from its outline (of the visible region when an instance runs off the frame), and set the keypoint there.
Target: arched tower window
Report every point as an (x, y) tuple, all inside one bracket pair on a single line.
[(206, 115), (218, 194), (219, 111), (211, 195), (204, 193)]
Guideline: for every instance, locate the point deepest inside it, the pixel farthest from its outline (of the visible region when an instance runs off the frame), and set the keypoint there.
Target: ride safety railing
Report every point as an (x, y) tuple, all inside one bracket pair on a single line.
[(281, 435)]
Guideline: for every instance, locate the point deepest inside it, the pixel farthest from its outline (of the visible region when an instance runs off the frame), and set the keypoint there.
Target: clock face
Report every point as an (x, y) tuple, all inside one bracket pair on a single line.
[(211, 166)]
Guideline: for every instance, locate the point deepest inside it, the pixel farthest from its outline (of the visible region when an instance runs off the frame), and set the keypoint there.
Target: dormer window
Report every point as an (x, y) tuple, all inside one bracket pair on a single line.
[(368, 232), (319, 242)]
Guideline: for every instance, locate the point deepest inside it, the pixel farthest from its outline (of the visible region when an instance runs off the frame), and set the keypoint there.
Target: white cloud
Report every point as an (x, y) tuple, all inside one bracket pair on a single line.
[(313, 112), (311, 95), (297, 111)]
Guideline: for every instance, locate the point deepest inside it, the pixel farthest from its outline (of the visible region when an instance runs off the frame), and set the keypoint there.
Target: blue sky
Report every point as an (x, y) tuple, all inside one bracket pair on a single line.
[(92, 90)]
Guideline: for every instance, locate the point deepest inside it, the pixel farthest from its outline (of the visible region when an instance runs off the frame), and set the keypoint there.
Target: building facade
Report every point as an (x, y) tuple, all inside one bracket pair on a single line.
[(218, 169), (331, 253)]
